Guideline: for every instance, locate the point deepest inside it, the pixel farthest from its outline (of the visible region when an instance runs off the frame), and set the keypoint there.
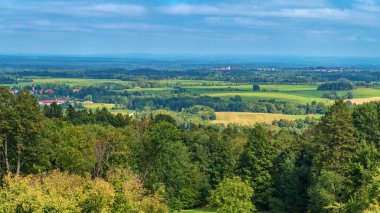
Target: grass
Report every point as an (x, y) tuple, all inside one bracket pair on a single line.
[(174, 82), (249, 118), (201, 210), (292, 97), (110, 107)]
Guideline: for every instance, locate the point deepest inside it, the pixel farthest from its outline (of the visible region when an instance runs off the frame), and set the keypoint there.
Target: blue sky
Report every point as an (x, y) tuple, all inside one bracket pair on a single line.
[(223, 27)]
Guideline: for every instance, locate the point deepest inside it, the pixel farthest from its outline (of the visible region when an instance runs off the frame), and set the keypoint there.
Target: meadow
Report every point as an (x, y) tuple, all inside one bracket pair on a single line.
[(249, 118)]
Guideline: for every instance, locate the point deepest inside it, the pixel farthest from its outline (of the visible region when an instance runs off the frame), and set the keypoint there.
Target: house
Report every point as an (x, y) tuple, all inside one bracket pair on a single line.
[(14, 91), (49, 91), (49, 102)]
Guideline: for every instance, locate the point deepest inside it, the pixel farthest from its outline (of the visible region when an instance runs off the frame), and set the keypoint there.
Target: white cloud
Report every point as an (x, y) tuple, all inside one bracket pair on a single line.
[(74, 9), (131, 26), (252, 10)]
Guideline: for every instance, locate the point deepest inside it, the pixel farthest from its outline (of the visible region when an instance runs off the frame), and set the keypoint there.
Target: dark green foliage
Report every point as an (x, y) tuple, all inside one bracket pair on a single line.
[(256, 88), (162, 117), (330, 165), (336, 86), (336, 145), (255, 165), (335, 139), (165, 160), (213, 153), (53, 111), (366, 119)]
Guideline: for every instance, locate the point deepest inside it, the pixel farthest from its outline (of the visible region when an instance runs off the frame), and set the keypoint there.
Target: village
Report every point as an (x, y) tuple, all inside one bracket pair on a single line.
[(50, 92)]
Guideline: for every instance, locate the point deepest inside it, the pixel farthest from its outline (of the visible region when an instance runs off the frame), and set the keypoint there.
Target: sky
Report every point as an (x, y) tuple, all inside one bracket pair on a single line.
[(199, 27)]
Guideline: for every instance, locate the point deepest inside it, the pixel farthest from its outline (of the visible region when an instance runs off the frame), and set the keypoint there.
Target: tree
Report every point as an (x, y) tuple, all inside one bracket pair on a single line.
[(256, 88), (130, 195), (335, 139), (327, 193), (366, 119), (255, 165), (53, 111), (28, 127), (8, 118), (335, 147), (232, 195), (165, 160)]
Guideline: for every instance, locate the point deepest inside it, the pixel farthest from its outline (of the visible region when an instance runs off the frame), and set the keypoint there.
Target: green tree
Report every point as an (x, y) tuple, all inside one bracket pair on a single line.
[(255, 165), (335, 146), (74, 150), (164, 159), (232, 195), (256, 88), (335, 139), (366, 119), (29, 126), (8, 121), (53, 111)]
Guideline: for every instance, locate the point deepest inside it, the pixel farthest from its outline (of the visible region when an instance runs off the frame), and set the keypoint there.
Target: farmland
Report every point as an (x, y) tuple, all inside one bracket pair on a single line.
[(248, 118), (286, 93)]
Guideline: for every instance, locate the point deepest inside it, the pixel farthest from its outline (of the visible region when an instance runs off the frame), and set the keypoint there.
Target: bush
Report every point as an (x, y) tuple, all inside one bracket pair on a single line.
[(55, 192), (232, 195)]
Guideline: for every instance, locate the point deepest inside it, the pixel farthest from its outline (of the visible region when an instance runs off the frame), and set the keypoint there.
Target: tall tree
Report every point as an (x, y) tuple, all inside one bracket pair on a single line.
[(29, 126), (166, 161), (335, 147), (255, 165), (8, 116)]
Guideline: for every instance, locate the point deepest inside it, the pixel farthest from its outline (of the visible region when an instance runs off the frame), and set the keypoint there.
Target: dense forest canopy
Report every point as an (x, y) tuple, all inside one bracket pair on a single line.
[(150, 164)]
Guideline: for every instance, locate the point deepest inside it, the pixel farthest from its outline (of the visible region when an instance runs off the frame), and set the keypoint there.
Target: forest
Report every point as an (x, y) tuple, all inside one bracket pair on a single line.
[(112, 163)]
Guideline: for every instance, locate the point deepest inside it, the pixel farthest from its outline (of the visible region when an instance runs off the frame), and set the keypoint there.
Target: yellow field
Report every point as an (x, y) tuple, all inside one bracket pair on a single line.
[(99, 105), (250, 118), (363, 100)]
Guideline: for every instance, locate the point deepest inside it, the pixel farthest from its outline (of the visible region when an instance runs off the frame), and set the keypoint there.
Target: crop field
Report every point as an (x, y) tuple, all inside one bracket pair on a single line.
[(99, 105), (363, 100), (249, 118)]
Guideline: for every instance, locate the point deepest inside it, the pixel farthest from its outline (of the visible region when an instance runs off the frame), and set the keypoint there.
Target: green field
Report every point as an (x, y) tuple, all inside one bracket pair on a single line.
[(72, 82), (296, 94), (78, 81), (174, 82), (299, 94), (202, 210)]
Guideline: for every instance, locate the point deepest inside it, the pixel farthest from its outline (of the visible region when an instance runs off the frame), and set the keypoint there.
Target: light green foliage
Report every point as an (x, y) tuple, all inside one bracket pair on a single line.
[(232, 195), (131, 196), (74, 149), (55, 192)]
